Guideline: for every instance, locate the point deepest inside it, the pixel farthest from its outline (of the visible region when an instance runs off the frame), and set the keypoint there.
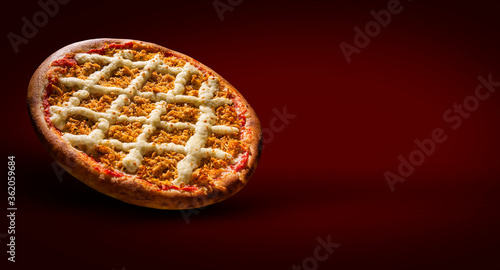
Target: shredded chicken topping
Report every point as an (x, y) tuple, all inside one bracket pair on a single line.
[(158, 169)]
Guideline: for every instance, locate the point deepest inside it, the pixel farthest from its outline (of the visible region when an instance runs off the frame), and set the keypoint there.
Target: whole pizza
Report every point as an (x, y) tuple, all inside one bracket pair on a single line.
[(144, 124)]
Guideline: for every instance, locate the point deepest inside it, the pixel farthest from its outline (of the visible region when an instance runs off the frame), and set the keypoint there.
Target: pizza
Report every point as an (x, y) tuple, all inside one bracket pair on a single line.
[(144, 124)]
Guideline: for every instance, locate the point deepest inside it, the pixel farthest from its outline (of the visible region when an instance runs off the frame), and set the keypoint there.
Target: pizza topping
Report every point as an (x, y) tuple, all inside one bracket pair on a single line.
[(107, 48), (176, 136), (158, 169), (227, 116), (149, 114), (65, 62), (181, 113), (79, 125), (124, 131), (98, 102), (107, 156)]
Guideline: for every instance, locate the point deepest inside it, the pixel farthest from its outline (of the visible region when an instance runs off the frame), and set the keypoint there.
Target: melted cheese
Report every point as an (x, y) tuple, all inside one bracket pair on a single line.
[(194, 149)]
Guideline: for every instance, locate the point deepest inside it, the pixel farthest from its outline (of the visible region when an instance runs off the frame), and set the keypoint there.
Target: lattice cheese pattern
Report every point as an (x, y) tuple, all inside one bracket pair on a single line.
[(194, 149)]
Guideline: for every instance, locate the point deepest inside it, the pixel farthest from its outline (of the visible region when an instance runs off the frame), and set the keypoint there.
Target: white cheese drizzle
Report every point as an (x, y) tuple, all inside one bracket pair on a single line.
[(194, 150)]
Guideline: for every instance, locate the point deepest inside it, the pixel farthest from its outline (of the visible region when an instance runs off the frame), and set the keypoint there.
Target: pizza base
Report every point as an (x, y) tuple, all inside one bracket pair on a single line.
[(126, 188)]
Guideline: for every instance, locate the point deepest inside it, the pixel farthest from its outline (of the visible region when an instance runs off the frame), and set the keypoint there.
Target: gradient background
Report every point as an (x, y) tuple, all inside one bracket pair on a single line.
[(322, 175)]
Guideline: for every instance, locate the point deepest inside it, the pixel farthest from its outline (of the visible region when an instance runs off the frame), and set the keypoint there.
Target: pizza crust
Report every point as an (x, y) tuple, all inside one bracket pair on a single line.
[(128, 188)]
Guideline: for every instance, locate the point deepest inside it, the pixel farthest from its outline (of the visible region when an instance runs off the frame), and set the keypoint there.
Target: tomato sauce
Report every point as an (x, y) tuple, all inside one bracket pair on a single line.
[(243, 161), (102, 50), (65, 62), (185, 188), (108, 171)]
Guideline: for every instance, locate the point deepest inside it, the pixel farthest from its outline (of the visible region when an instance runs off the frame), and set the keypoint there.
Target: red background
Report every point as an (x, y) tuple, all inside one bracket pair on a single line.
[(322, 175)]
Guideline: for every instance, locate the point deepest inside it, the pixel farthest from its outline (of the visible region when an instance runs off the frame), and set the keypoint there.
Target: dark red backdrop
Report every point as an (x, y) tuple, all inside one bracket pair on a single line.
[(322, 174)]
